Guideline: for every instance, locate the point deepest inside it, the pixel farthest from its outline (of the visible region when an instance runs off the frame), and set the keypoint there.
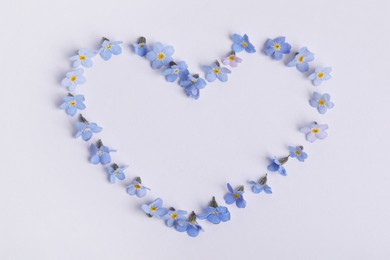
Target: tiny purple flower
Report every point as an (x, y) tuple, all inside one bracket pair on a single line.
[(232, 60), (235, 196), (260, 186), (116, 172), (73, 78), (277, 47)]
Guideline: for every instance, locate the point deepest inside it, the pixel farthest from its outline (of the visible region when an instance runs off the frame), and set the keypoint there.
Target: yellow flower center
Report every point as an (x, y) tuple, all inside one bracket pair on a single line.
[(160, 56), (237, 195), (320, 75), (297, 152), (82, 57), (72, 103), (301, 59), (214, 212), (321, 102), (315, 130), (176, 71), (109, 46), (244, 44), (216, 70), (231, 57), (174, 216), (142, 45), (137, 186), (73, 78), (153, 209), (277, 46), (116, 172)]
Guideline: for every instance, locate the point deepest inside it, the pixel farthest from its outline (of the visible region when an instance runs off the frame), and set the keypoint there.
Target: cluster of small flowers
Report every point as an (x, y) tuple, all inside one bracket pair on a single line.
[(160, 57), (100, 154), (213, 213), (278, 46)]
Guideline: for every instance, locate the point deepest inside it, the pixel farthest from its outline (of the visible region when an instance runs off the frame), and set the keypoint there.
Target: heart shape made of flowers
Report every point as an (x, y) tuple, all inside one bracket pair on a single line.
[(161, 58)]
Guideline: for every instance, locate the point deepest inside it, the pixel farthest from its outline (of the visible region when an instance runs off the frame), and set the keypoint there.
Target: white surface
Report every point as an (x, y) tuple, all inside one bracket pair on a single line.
[(55, 205)]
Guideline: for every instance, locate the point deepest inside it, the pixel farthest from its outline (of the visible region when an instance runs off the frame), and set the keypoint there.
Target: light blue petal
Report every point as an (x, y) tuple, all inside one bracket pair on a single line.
[(151, 55), (214, 219), (192, 231), (241, 203), (210, 77), (303, 67), (141, 192), (95, 159), (237, 47), (229, 198), (222, 77), (105, 158), (86, 135)]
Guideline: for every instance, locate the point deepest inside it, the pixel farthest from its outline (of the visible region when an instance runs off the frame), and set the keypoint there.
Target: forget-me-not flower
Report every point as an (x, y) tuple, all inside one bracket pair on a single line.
[(110, 48), (190, 226), (83, 58), (232, 60), (141, 48), (260, 186), (277, 47), (315, 131), (176, 71), (241, 43), (297, 152), (174, 216), (86, 129), (116, 172), (235, 196), (72, 103), (136, 188), (155, 209), (277, 166), (214, 213), (302, 59), (215, 71), (160, 55), (100, 153), (321, 102), (319, 75), (192, 84), (73, 78)]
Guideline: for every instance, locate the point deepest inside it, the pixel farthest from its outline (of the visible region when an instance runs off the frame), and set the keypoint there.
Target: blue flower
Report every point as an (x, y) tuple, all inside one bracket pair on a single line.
[(136, 188), (235, 196), (277, 47), (261, 186), (315, 131), (86, 129), (277, 166), (297, 152), (115, 171), (319, 75), (72, 103), (83, 58), (109, 48), (160, 55), (176, 71), (321, 102), (216, 71), (242, 43), (192, 84), (215, 214), (174, 216), (73, 78), (155, 209), (190, 225), (100, 153), (141, 48), (302, 59)]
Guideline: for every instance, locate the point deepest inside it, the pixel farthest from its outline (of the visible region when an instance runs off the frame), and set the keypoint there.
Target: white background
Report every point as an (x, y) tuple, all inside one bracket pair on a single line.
[(56, 205)]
